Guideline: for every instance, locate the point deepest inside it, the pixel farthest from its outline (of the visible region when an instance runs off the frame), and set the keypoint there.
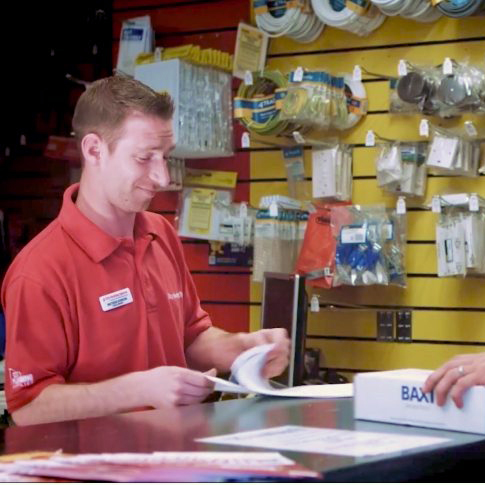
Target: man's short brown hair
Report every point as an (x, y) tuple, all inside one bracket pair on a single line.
[(107, 102)]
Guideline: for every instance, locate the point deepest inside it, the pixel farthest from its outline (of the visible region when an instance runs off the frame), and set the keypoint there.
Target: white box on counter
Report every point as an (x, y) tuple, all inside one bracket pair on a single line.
[(396, 397)]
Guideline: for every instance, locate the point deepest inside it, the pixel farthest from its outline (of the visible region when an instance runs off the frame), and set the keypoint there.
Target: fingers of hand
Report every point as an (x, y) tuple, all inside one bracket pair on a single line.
[(460, 386), (276, 363), (448, 380)]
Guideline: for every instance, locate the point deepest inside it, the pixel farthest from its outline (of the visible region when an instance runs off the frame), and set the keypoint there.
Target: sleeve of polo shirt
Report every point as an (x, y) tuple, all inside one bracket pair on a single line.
[(36, 349)]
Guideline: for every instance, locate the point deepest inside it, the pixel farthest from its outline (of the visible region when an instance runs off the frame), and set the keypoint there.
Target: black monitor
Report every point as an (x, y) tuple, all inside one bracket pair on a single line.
[(285, 305)]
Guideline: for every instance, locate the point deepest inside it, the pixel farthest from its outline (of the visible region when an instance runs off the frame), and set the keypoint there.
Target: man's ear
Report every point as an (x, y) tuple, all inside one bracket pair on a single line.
[(91, 147)]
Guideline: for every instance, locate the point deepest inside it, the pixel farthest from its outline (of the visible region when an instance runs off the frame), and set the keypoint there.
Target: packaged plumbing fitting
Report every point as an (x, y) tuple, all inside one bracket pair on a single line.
[(401, 168), (370, 246)]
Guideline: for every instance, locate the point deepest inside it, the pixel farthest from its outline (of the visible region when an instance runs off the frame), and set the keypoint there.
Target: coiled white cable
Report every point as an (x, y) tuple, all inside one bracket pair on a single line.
[(303, 27), (361, 21), (419, 10)]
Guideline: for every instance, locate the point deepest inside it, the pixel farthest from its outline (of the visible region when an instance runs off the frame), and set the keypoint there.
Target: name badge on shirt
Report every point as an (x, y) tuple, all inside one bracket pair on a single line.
[(115, 299)]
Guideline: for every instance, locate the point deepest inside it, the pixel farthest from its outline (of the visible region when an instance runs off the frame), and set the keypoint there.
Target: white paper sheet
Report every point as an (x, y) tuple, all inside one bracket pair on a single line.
[(325, 441), (247, 370)]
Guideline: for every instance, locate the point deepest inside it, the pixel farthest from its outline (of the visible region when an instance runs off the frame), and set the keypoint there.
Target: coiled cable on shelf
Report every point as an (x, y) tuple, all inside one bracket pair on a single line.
[(419, 10), (461, 8), (265, 84), (361, 20), (289, 20)]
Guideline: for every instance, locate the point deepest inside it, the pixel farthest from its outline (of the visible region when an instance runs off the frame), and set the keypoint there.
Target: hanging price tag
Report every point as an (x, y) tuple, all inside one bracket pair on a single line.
[(248, 78), (357, 73), (245, 141), (370, 139), (436, 204), (402, 68), (298, 75), (470, 128), (401, 206), (7, 151), (273, 209), (447, 67), (314, 304), (298, 138), (424, 128), (243, 209), (23, 140), (473, 203)]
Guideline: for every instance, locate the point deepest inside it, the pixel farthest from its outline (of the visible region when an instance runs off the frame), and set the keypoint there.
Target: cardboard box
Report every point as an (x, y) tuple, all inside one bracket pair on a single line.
[(396, 397)]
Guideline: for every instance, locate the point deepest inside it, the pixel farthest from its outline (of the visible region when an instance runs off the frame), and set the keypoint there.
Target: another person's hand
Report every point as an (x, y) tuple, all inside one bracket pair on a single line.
[(174, 386), (278, 358), (455, 377)]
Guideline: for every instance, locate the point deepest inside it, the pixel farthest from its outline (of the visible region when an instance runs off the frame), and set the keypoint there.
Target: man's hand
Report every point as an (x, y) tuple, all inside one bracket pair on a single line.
[(455, 377), (278, 357), (174, 386)]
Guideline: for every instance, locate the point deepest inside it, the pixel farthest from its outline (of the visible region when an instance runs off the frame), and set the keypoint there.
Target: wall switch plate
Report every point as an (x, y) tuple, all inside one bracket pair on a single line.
[(385, 326), (404, 326)]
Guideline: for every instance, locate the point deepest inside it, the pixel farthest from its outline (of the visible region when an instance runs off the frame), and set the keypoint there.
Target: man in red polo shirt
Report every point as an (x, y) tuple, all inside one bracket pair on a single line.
[(102, 313)]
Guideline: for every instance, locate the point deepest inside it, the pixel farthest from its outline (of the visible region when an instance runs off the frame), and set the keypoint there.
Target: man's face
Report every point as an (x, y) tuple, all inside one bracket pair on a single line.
[(136, 168)]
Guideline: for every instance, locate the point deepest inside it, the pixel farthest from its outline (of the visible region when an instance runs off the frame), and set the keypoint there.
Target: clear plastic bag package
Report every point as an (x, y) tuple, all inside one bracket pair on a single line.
[(320, 100), (460, 242), (277, 241), (332, 173), (295, 173), (453, 154), (446, 90), (401, 168), (370, 246)]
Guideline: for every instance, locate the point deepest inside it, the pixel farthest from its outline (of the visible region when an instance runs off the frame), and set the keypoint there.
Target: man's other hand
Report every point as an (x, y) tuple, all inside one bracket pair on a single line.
[(278, 358)]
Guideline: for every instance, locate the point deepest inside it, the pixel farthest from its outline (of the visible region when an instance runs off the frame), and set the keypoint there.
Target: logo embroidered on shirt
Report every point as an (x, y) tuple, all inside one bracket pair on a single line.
[(175, 296), (20, 380)]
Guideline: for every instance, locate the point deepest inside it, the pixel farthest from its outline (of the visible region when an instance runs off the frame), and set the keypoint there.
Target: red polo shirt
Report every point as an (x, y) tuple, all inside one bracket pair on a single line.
[(57, 330)]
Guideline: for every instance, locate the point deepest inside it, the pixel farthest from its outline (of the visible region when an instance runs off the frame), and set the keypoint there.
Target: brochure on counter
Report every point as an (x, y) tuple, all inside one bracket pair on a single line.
[(247, 373)]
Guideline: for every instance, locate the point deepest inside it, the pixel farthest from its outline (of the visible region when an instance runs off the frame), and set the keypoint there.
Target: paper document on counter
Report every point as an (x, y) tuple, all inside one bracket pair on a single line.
[(247, 371), (327, 441), (160, 467)]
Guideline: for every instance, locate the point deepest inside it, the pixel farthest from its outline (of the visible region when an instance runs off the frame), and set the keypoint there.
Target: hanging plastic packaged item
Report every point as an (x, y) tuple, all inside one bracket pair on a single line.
[(277, 240), (316, 260), (453, 154), (370, 246), (258, 105), (332, 173), (295, 173), (136, 37), (394, 249), (401, 168), (460, 235), (320, 100), (446, 90)]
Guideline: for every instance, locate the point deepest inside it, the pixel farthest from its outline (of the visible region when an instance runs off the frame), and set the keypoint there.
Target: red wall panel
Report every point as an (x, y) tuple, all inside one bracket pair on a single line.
[(195, 17)]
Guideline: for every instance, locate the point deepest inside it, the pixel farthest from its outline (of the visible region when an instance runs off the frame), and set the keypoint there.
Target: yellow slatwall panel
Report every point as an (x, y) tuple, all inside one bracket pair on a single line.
[(448, 315), (368, 355), (421, 291)]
